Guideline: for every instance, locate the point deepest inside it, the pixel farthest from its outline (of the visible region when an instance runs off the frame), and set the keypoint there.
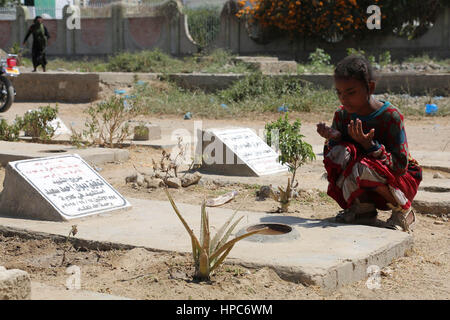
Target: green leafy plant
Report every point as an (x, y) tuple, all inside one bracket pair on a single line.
[(294, 153), (257, 85), (9, 132), (209, 253), (107, 124), (319, 58), (385, 58), (143, 61), (36, 123)]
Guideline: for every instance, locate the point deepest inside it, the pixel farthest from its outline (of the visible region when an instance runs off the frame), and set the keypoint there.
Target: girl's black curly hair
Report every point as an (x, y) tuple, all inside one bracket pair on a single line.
[(355, 67)]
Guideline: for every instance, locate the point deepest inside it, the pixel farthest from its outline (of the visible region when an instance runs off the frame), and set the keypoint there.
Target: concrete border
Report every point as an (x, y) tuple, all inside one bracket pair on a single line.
[(85, 87), (57, 87)]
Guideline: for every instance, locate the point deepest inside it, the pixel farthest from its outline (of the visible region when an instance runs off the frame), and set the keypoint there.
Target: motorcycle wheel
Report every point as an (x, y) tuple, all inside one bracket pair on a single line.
[(6, 94)]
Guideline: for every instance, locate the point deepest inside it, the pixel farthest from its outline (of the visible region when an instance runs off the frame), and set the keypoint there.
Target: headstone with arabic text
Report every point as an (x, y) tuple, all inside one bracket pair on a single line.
[(58, 189), (238, 151)]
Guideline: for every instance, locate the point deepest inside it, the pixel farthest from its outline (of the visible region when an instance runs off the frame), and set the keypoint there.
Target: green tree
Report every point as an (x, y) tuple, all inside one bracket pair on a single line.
[(294, 152)]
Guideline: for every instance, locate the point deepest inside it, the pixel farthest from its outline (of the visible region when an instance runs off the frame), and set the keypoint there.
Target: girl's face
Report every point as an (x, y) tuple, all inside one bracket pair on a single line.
[(353, 94)]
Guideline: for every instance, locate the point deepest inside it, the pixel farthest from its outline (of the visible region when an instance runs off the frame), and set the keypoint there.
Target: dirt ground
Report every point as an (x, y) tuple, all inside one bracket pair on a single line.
[(423, 273)]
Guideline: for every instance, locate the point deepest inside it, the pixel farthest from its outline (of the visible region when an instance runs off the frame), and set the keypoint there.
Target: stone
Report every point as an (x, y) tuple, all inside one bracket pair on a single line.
[(147, 132), (140, 180), (190, 179), (173, 183), (220, 200), (57, 188), (154, 183), (264, 192), (438, 175), (135, 177), (14, 284)]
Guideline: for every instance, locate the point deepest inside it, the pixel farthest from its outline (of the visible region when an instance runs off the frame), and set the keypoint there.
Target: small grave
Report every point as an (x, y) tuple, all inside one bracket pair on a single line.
[(238, 151), (56, 188)]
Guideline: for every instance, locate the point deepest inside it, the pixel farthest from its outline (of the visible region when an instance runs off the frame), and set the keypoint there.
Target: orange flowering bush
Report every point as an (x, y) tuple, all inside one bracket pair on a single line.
[(330, 18)]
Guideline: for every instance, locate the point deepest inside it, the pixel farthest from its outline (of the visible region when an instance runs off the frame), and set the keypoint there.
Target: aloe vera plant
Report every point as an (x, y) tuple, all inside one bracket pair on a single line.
[(209, 253)]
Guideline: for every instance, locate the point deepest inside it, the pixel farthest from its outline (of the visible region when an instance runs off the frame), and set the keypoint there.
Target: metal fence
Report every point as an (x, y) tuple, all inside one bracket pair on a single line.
[(8, 13)]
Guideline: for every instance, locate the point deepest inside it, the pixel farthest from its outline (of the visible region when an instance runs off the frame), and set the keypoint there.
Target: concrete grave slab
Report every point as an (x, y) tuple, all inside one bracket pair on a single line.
[(57, 189), (237, 151), (13, 151), (324, 253)]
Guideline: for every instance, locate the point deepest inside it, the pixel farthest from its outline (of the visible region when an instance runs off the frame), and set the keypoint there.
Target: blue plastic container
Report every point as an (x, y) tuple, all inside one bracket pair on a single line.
[(117, 91), (188, 116), (283, 109), (431, 109)]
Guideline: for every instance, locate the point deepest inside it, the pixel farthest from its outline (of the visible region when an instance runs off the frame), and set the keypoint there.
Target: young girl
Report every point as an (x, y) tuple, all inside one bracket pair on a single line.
[(366, 153)]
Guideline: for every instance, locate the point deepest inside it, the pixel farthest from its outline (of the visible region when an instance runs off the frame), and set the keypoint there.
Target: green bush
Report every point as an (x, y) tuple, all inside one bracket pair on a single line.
[(256, 85), (294, 152), (319, 58), (9, 132), (36, 123), (107, 124), (144, 61)]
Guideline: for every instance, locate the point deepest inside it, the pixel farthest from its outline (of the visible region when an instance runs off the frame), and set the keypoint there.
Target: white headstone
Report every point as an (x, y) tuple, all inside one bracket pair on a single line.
[(57, 188), (60, 127), (242, 147)]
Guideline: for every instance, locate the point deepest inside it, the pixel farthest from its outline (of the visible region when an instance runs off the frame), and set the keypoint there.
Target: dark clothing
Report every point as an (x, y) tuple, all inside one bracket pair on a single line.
[(40, 37)]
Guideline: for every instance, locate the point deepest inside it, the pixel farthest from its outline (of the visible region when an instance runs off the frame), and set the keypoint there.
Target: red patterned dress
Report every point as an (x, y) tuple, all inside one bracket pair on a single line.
[(353, 171)]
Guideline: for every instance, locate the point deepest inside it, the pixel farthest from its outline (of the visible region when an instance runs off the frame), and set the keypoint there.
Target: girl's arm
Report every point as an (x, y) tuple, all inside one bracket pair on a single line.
[(395, 151), (336, 125)]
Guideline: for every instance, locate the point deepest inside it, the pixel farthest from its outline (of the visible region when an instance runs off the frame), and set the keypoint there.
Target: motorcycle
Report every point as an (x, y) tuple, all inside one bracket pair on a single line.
[(8, 68)]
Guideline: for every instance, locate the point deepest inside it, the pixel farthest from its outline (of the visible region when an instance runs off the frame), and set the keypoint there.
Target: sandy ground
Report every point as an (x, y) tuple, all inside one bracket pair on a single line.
[(424, 273)]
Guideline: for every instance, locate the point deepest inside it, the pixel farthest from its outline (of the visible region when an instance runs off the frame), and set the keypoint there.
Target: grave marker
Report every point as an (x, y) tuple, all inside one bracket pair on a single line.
[(57, 188), (238, 151)]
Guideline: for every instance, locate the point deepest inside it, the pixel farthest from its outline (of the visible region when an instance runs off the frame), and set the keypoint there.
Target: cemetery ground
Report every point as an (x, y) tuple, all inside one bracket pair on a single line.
[(423, 273)]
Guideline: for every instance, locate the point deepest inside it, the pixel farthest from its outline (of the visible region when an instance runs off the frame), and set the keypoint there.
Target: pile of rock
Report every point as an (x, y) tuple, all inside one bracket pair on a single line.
[(415, 67), (156, 180), (14, 284)]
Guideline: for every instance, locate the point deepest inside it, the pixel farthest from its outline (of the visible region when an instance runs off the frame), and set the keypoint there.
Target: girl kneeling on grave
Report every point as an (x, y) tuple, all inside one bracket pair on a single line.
[(366, 153)]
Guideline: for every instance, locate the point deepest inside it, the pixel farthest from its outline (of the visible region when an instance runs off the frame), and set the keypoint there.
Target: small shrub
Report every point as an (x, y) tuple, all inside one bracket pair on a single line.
[(209, 252), (320, 58), (107, 124), (294, 153), (36, 123), (257, 85), (385, 58), (144, 61), (9, 132)]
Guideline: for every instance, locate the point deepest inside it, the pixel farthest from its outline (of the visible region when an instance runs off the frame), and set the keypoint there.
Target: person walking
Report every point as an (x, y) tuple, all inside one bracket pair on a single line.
[(40, 38)]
